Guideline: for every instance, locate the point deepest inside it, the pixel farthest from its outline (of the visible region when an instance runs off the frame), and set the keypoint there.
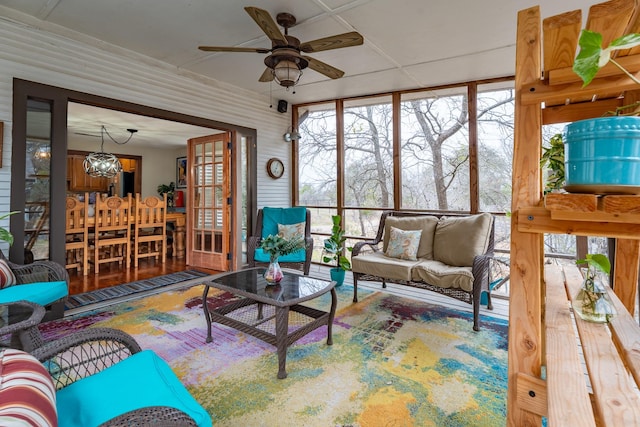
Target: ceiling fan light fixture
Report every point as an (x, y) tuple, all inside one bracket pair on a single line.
[(287, 73)]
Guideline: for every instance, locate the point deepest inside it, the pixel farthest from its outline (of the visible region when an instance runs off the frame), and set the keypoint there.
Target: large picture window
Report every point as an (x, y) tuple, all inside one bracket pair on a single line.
[(440, 149)]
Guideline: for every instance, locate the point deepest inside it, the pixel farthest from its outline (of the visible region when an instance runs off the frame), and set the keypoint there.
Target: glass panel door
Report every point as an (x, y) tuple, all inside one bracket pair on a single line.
[(208, 194)]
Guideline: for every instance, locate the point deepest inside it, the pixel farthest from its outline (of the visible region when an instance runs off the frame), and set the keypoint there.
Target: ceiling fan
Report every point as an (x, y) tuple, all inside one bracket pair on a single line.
[(286, 62)]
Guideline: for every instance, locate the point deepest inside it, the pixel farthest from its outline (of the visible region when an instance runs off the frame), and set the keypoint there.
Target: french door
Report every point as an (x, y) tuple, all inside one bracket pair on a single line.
[(208, 201)]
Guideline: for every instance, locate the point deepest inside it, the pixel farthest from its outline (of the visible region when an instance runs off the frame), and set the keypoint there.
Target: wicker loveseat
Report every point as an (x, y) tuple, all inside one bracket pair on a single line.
[(453, 256)]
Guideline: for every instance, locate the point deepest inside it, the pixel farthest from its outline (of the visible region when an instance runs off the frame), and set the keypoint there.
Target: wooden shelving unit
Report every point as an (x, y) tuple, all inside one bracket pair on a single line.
[(546, 369)]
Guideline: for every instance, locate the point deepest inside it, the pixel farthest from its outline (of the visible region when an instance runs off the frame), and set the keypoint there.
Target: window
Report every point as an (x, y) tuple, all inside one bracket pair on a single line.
[(427, 150)]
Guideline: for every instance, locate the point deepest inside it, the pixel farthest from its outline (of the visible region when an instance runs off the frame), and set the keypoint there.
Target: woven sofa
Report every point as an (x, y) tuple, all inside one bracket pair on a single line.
[(452, 256)]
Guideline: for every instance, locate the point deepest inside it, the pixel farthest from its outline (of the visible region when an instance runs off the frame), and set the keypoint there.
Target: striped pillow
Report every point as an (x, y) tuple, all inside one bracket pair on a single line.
[(7, 278), (27, 394)]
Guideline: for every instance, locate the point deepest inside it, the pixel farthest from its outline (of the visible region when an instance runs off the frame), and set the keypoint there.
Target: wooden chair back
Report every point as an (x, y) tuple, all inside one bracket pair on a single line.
[(77, 234), (150, 229), (112, 237)]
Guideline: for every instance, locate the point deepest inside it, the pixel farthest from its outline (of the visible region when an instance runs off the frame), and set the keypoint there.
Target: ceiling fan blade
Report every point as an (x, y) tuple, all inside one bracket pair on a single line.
[(268, 25), (267, 76), (333, 42), (323, 68), (233, 49)]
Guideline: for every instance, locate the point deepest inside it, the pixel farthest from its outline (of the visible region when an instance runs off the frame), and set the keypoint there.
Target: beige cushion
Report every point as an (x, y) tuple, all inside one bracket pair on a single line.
[(445, 276), (426, 223), (458, 240), (379, 265)]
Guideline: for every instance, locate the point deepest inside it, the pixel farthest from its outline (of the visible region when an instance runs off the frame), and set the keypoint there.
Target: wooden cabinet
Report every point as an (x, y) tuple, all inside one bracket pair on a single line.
[(78, 180)]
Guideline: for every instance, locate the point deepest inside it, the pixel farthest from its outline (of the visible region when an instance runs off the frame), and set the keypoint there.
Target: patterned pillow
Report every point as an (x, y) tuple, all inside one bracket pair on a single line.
[(291, 231), (26, 391), (403, 244), (7, 278)]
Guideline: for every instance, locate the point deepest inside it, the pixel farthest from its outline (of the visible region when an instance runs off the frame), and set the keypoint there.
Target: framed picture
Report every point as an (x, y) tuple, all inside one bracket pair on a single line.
[(181, 172)]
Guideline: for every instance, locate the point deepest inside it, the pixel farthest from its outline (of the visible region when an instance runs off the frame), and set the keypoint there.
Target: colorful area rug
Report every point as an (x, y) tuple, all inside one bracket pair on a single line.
[(92, 297), (393, 362)]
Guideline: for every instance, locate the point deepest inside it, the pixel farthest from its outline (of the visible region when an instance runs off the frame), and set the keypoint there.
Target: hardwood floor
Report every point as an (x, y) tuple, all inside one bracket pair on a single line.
[(112, 274)]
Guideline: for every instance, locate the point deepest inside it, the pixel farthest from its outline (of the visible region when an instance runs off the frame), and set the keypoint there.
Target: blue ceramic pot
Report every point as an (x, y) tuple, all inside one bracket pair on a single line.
[(337, 275), (602, 155)]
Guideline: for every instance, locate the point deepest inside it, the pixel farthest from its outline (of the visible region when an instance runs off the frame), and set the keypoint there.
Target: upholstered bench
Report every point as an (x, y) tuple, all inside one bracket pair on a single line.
[(448, 254)]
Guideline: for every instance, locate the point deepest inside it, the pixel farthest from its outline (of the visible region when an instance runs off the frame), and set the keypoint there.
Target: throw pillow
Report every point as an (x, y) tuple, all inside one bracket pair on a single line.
[(458, 240), (7, 278), (426, 223), (27, 392), (291, 231), (403, 244)]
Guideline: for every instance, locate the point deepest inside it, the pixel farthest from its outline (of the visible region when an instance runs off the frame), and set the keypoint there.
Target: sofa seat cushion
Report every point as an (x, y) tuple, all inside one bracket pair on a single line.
[(139, 381), (458, 240), (43, 293), (426, 223), (377, 264), (445, 276)]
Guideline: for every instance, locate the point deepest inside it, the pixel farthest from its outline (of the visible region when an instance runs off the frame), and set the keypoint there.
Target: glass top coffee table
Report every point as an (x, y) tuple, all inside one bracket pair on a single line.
[(271, 313)]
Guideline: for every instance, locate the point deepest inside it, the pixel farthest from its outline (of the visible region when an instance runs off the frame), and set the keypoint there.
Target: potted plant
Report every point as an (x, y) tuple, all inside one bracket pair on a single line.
[(592, 303), (553, 158), (334, 251), (277, 246), (5, 235), (169, 189), (601, 154)]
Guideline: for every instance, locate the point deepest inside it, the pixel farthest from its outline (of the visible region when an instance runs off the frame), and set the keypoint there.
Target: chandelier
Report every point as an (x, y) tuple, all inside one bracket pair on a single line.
[(101, 164)]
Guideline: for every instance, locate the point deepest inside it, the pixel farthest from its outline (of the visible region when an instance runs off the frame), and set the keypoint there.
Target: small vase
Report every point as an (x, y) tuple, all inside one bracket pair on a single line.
[(592, 303), (273, 274)]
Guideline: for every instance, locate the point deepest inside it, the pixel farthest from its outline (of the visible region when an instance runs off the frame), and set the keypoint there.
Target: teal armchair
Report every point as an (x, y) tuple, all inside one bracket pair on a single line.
[(41, 282), (267, 224)]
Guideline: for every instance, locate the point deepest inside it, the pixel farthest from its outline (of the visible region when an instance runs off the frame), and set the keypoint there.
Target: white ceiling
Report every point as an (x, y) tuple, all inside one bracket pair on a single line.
[(408, 44)]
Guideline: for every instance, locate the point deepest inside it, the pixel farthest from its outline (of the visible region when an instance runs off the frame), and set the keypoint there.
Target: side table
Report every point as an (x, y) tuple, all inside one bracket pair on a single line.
[(21, 319)]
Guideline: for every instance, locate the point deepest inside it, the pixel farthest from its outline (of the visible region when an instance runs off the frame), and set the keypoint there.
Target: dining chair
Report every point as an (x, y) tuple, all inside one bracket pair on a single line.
[(112, 231), (77, 234), (150, 228)]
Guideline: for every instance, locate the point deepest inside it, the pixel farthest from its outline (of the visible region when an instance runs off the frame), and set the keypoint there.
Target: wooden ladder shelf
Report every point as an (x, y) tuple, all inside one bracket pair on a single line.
[(547, 372)]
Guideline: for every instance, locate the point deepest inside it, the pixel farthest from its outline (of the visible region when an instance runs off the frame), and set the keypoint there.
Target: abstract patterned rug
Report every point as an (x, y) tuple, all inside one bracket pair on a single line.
[(92, 297), (393, 362)]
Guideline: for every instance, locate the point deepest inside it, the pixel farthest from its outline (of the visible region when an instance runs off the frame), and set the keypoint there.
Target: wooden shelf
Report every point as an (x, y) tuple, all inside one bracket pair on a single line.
[(592, 207)]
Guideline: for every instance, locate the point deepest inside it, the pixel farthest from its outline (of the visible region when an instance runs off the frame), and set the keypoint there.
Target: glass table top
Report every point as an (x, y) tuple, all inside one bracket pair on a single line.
[(292, 288)]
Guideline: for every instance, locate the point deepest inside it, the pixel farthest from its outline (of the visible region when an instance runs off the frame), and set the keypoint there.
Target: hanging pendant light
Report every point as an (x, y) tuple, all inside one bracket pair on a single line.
[(101, 164)]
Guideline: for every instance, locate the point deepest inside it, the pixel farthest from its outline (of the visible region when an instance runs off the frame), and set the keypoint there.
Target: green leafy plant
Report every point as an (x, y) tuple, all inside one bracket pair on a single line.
[(593, 56), (334, 246), (164, 188), (553, 158), (592, 302), (596, 261), (5, 235), (277, 246)]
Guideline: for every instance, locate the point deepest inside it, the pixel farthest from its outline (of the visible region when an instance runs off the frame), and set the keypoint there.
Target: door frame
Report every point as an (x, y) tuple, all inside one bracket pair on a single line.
[(59, 98)]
